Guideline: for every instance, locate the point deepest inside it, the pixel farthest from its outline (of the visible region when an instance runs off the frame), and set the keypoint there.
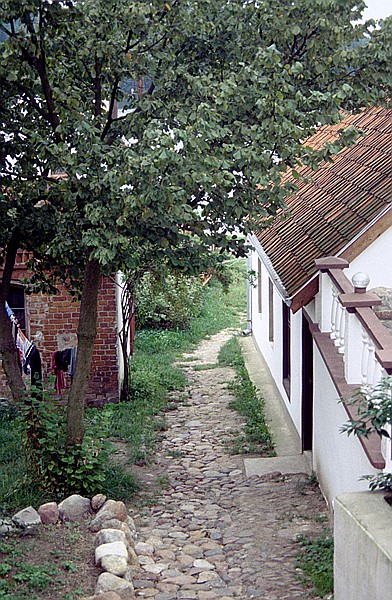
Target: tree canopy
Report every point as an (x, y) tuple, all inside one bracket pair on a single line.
[(234, 90)]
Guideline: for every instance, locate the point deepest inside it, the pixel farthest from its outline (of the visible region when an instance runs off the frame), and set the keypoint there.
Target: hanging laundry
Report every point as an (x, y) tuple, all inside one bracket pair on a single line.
[(24, 346), (59, 373), (34, 362), (72, 364), (30, 359), (61, 361)]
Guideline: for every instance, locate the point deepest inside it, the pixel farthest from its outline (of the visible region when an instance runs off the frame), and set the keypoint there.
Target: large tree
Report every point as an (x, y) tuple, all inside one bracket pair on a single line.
[(231, 90)]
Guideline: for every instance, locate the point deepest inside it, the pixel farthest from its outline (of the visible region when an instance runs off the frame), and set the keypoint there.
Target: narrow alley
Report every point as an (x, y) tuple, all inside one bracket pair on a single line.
[(214, 532)]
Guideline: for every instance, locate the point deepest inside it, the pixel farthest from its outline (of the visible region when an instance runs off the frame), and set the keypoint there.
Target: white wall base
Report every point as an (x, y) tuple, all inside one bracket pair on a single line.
[(363, 547)]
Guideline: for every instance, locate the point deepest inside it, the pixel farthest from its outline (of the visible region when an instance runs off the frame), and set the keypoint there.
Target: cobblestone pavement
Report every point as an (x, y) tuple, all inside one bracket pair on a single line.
[(213, 533)]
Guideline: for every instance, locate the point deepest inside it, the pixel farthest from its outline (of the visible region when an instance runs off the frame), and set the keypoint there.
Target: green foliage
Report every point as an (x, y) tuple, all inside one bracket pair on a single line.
[(257, 437), (374, 405), (16, 490), (52, 465), (168, 302), (382, 481), (44, 566), (20, 579), (119, 482), (374, 408), (230, 354), (8, 411), (233, 87), (316, 562)]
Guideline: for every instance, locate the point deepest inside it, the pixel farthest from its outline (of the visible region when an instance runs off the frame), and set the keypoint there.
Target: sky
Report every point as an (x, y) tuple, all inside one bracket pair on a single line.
[(377, 9)]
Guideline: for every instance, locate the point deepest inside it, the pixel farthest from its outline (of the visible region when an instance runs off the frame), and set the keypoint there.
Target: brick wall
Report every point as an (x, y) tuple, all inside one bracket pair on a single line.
[(52, 323)]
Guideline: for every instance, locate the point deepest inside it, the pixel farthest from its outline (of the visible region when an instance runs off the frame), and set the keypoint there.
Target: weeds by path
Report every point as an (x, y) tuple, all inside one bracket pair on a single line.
[(52, 562), (256, 438), (316, 563)]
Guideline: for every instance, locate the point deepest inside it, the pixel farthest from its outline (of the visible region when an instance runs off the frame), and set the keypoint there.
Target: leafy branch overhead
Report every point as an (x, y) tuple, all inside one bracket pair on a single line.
[(95, 176), (236, 87)]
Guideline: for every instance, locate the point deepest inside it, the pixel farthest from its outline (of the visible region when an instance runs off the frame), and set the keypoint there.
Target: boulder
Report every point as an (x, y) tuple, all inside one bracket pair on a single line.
[(74, 508), (106, 536), (112, 548), (111, 583), (27, 517), (116, 509), (117, 565), (6, 526), (97, 501), (109, 511), (49, 513)]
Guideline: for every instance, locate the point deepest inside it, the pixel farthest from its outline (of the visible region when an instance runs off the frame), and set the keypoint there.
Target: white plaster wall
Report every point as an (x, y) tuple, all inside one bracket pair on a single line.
[(260, 324), (296, 370), (272, 352), (338, 459), (375, 261)]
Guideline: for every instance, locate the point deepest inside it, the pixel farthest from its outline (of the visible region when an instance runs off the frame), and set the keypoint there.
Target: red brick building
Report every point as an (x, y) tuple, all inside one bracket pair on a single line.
[(51, 322)]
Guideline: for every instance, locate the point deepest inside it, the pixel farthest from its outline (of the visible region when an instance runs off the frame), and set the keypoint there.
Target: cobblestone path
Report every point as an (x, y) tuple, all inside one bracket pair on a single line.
[(213, 533)]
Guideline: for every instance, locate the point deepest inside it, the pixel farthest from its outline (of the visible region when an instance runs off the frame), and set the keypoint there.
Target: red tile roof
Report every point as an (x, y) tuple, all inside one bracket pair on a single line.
[(341, 200)]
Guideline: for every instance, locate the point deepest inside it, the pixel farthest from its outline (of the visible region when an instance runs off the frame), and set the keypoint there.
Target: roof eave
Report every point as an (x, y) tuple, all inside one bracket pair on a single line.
[(351, 250)]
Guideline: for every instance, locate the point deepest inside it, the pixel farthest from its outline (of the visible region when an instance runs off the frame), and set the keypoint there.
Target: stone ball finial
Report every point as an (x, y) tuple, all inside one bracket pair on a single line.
[(360, 282)]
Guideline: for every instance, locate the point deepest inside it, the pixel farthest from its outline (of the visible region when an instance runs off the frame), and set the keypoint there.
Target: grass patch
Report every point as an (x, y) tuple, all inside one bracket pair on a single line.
[(316, 562), (206, 367), (16, 489), (256, 438), (47, 565), (119, 483)]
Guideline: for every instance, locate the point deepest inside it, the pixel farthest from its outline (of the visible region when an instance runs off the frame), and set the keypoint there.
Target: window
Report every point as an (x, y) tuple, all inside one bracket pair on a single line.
[(286, 367), (16, 302), (259, 288), (271, 311)]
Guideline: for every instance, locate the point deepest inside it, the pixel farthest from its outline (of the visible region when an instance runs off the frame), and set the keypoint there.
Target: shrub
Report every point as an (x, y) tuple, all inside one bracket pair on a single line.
[(168, 302), (52, 466), (374, 408)]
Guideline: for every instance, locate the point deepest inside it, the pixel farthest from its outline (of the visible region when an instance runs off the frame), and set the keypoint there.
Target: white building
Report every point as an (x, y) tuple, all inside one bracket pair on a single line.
[(319, 337)]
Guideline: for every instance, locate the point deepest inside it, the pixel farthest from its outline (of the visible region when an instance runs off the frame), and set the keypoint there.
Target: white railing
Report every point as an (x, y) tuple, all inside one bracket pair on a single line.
[(338, 322), (355, 342)]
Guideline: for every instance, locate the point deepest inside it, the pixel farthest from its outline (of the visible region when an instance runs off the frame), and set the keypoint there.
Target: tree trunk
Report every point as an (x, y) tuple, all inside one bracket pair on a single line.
[(8, 350), (87, 331)]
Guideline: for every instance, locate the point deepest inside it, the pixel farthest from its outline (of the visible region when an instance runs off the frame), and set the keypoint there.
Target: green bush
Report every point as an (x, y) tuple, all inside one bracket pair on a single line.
[(373, 407), (52, 466), (168, 302)]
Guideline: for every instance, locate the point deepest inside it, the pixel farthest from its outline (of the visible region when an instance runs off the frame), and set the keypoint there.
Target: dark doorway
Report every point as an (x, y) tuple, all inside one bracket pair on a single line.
[(307, 386)]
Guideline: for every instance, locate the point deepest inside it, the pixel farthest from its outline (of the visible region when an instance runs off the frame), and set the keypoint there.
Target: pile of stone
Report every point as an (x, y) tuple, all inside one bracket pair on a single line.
[(114, 541)]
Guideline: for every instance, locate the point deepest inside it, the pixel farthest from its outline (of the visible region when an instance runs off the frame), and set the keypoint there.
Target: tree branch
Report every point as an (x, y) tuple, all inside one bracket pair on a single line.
[(111, 108)]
